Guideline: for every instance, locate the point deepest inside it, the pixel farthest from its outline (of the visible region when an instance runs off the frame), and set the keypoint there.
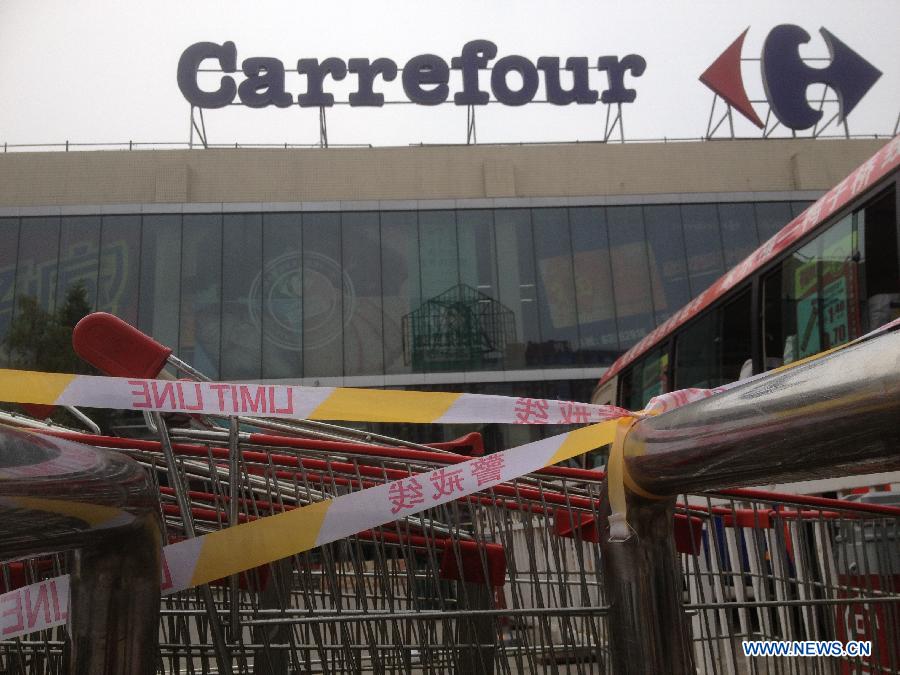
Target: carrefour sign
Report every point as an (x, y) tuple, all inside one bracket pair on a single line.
[(425, 78), (515, 80)]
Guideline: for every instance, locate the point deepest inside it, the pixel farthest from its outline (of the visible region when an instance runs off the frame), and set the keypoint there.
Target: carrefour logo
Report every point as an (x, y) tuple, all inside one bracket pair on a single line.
[(785, 77)]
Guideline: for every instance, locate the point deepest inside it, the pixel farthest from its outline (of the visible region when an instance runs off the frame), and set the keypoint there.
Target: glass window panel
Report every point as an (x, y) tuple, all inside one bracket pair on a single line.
[(282, 298), (241, 296), (400, 284), (739, 234), (556, 290), (201, 292), (771, 217), (631, 276), (599, 340), (433, 329), (715, 349), (645, 379), (703, 243), (696, 353), (38, 256), (120, 266), (438, 252), (820, 287), (160, 289), (736, 350), (79, 253), (799, 207), (477, 257), (668, 266), (323, 287), (9, 245), (490, 326), (879, 260), (516, 279), (363, 343)]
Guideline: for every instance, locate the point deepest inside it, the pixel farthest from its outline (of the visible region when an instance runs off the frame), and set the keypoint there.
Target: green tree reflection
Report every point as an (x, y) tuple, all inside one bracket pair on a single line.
[(42, 340)]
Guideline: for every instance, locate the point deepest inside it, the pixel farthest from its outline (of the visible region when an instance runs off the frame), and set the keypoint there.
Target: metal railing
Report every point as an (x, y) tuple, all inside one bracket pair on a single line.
[(67, 146)]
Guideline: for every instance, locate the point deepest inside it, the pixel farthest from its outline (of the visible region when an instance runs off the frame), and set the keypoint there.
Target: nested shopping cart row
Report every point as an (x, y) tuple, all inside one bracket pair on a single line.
[(506, 580)]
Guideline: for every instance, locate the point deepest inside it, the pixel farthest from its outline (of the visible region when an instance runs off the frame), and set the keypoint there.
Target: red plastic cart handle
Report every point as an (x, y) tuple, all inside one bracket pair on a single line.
[(117, 348)]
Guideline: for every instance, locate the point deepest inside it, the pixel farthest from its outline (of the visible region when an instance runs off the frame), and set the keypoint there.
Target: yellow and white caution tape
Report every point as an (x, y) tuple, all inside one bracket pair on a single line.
[(220, 554), (226, 552), (293, 402), (35, 607)]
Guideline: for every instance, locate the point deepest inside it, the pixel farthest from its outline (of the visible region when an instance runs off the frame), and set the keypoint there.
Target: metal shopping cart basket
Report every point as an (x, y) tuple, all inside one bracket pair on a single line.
[(506, 580)]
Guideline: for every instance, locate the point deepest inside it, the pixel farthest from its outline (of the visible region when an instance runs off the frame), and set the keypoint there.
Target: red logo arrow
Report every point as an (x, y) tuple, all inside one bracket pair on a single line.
[(724, 78)]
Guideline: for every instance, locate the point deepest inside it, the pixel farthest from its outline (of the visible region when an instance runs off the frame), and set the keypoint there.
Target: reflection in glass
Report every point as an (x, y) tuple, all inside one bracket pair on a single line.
[(9, 245), (161, 279), (697, 354), (578, 285), (36, 268), (738, 232), (280, 289), (820, 287), (401, 291), (462, 327), (324, 285), (361, 261), (599, 340), (556, 290), (703, 243), (516, 278), (477, 257), (631, 276), (79, 244), (201, 292), (117, 283), (438, 252), (714, 349), (241, 296), (647, 378), (770, 218), (668, 266)]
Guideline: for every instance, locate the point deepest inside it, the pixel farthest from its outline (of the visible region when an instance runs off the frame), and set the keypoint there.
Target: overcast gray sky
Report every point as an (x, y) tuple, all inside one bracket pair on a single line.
[(104, 70)]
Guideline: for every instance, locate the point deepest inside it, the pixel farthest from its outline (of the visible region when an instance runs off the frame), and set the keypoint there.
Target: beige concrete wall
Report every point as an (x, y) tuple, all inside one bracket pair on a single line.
[(433, 172)]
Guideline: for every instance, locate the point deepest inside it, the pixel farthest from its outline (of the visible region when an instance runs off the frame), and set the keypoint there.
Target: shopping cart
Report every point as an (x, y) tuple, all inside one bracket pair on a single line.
[(507, 580), (794, 568), (503, 581)]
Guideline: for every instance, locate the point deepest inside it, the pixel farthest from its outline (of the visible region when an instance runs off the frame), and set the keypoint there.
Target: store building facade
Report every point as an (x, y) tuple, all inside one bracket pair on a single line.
[(497, 269)]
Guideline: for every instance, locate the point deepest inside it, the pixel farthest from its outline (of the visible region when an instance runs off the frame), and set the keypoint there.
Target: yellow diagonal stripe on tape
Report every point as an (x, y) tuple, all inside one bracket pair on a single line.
[(582, 440), (25, 386), (246, 546), (375, 405), (94, 515)]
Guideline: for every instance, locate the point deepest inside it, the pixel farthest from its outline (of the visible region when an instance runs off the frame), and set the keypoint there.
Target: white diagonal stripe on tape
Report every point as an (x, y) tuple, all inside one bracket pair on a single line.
[(358, 511), (38, 606), (179, 561), (479, 408)]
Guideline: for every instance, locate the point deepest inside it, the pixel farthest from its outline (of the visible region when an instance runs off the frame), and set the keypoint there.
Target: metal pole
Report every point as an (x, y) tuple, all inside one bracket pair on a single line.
[(234, 495), (223, 658), (648, 629), (115, 603), (836, 415)]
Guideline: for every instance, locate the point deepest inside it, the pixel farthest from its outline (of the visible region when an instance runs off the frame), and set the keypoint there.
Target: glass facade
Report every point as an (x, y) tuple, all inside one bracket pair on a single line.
[(838, 285), (367, 293)]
